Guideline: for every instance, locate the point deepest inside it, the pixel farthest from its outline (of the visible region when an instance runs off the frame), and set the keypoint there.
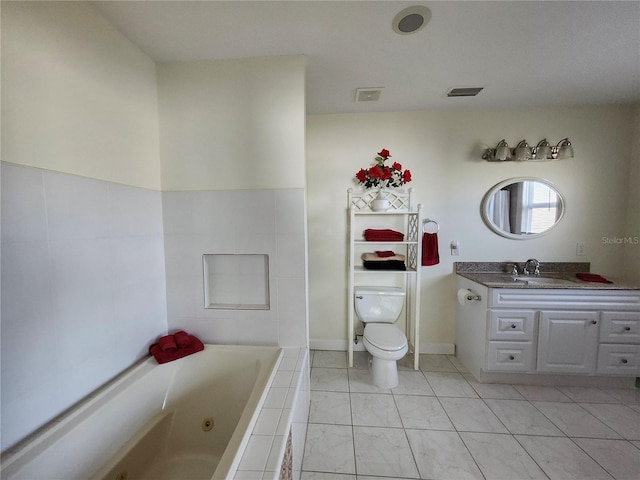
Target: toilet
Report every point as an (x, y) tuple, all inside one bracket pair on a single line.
[(379, 308)]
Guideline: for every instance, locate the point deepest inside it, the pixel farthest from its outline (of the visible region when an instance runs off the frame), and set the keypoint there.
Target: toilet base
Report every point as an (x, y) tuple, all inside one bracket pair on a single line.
[(384, 373)]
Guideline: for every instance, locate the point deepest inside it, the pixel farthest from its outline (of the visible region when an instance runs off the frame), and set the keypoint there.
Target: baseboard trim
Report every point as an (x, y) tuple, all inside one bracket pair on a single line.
[(437, 348), (339, 345), (427, 348)]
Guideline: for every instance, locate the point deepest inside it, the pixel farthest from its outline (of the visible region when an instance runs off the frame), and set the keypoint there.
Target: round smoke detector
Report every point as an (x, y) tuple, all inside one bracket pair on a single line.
[(411, 20)]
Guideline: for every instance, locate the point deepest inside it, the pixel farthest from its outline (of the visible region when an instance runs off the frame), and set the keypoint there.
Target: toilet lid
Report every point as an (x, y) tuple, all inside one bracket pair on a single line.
[(385, 336)]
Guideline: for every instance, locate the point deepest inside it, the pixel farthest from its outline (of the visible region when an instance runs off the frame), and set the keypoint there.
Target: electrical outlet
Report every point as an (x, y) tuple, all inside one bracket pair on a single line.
[(580, 249)]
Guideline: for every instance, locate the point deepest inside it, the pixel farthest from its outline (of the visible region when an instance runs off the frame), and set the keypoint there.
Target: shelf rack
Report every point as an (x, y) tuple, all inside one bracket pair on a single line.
[(404, 216)]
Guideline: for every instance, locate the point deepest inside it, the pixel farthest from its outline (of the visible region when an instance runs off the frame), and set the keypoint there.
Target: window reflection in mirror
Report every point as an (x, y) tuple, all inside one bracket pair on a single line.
[(522, 208)]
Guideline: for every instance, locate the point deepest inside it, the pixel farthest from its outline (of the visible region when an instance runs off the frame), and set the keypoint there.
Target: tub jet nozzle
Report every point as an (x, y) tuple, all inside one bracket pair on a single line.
[(207, 424)]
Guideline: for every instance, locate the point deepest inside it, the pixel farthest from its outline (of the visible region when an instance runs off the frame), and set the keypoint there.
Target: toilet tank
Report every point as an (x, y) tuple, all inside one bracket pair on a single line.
[(379, 304)]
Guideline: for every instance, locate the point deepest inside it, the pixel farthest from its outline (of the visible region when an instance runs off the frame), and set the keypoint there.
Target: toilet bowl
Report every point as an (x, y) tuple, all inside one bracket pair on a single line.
[(378, 308), (386, 344)]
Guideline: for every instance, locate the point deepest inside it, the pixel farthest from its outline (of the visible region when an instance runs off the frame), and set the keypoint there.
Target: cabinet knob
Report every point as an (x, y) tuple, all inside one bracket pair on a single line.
[(627, 329), (624, 361), (594, 322), (513, 325), (511, 357)]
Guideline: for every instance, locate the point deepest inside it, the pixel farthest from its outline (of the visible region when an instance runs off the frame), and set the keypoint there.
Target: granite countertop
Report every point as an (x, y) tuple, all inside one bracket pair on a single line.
[(560, 275)]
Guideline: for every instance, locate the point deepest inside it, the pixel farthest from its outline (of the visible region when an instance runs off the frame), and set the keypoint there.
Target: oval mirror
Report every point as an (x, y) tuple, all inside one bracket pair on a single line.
[(522, 208)]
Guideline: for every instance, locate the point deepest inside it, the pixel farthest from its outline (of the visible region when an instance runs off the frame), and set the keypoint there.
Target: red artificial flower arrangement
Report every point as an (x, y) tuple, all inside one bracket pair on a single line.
[(381, 175)]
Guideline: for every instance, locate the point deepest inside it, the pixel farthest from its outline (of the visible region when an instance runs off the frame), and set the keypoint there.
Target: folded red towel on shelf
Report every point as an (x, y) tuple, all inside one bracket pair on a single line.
[(383, 235), (182, 339), (385, 253), (164, 356), (167, 343), (592, 277)]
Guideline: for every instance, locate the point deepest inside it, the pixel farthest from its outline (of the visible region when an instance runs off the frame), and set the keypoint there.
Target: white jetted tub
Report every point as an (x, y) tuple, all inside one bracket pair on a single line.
[(187, 419)]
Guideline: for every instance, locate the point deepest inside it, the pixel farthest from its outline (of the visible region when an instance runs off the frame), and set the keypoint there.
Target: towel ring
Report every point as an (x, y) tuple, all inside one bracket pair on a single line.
[(428, 220)]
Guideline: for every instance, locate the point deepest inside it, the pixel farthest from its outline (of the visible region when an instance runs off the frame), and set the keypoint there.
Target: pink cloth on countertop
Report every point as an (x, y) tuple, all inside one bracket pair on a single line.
[(592, 277)]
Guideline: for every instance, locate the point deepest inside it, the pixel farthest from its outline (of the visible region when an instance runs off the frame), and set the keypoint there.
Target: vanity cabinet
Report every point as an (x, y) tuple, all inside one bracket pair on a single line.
[(404, 217), (549, 331)]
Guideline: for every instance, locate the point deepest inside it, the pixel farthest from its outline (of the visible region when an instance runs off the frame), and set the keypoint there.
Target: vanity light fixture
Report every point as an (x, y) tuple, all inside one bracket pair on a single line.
[(563, 150), (524, 153), (502, 151), (543, 149)]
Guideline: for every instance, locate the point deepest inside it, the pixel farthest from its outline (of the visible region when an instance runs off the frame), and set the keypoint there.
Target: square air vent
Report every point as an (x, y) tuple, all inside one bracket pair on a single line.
[(463, 91), (371, 94)]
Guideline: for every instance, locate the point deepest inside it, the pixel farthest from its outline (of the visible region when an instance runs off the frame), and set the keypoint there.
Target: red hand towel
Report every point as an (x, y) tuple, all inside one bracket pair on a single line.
[(430, 254), (385, 253), (182, 339), (167, 343), (592, 277)]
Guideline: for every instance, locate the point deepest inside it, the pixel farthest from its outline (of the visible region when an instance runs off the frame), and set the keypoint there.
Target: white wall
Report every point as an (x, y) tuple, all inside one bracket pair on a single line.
[(83, 289), (232, 124), (632, 247), (443, 151), (233, 170), (83, 274), (80, 96), (83, 285), (82, 236), (267, 222)]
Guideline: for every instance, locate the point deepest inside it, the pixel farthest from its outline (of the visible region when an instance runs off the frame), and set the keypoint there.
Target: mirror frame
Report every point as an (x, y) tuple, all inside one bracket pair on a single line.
[(484, 210)]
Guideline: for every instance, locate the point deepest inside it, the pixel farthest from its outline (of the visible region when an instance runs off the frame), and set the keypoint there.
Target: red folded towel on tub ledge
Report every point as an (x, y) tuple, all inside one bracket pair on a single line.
[(164, 356), (182, 339), (167, 343)]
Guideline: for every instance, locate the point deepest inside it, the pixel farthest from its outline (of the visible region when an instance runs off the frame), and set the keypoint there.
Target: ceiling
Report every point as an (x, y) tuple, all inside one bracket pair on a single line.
[(523, 53)]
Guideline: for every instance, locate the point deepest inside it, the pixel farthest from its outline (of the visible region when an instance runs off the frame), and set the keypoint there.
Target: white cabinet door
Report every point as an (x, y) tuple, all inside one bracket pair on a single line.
[(567, 342)]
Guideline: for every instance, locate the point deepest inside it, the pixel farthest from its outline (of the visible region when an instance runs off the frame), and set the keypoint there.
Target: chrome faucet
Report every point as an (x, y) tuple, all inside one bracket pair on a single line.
[(536, 265)]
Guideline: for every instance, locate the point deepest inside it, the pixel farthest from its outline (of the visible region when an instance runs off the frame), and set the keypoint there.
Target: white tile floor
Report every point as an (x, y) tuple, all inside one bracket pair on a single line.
[(439, 423)]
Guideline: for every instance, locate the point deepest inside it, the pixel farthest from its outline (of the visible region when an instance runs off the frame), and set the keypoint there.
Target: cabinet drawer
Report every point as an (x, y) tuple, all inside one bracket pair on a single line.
[(512, 325), (619, 359), (510, 356), (620, 327)]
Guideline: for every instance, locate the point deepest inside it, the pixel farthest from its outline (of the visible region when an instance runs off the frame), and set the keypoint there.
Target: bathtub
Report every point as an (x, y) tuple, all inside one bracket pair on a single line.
[(191, 418)]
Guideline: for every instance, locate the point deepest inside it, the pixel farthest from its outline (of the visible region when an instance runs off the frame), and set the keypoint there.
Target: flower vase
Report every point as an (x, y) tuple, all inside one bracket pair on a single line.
[(381, 203)]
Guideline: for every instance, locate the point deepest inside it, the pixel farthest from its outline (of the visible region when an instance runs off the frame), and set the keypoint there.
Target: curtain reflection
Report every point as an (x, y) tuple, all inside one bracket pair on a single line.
[(524, 208)]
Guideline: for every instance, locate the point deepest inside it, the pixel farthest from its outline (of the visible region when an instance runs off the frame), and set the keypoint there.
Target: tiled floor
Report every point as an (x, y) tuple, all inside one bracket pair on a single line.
[(441, 424)]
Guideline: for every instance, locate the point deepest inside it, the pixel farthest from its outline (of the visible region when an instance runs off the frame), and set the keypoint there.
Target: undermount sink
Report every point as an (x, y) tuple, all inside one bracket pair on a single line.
[(543, 280)]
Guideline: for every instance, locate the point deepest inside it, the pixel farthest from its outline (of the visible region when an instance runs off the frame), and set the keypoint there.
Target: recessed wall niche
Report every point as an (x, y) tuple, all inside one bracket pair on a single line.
[(236, 282)]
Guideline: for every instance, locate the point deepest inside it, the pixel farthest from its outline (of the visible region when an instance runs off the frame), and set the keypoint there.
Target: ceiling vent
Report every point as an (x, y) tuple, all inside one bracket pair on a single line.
[(371, 94), (463, 91)]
